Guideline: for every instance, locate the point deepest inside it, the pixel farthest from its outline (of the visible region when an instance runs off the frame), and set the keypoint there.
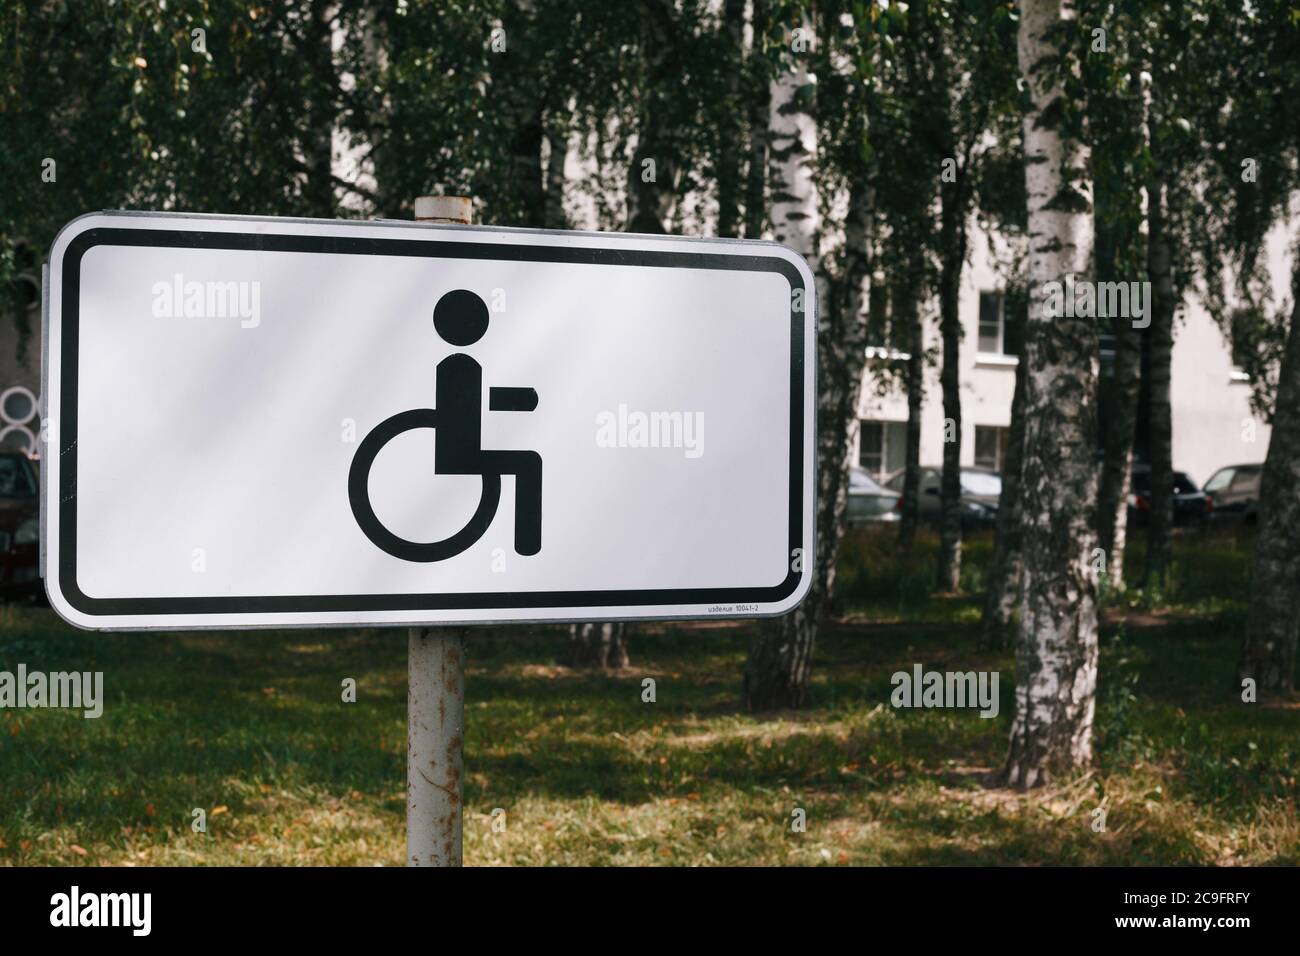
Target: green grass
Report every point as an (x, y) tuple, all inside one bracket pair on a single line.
[(251, 727)]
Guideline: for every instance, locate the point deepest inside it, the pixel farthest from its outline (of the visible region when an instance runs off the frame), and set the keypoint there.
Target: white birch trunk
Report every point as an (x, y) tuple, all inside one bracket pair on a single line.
[(780, 654), (1056, 653), (792, 139)]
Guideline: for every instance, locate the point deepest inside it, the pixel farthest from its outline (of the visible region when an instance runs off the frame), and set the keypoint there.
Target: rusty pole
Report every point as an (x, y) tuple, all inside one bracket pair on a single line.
[(435, 695)]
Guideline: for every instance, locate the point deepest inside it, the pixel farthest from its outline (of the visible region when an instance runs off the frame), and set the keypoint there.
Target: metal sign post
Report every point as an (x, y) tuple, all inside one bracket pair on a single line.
[(435, 740), (435, 693)]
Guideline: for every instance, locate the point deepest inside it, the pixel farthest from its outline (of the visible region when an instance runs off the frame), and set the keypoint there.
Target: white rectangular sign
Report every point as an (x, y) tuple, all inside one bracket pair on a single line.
[(280, 422)]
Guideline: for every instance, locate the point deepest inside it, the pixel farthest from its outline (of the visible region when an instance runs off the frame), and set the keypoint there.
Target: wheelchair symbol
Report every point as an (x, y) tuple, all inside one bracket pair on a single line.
[(460, 318)]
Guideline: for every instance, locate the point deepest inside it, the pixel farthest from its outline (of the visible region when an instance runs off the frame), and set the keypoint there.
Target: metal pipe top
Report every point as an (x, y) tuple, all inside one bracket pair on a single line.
[(458, 210)]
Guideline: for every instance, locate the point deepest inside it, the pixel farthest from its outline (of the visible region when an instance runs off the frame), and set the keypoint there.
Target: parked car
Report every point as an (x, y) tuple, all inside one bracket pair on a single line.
[(868, 501), (1234, 492), (20, 526), (1191, 506), (980, 489)]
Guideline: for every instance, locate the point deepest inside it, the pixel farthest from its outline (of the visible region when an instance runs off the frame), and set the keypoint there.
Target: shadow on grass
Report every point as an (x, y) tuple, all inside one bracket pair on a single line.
[(255, 723)]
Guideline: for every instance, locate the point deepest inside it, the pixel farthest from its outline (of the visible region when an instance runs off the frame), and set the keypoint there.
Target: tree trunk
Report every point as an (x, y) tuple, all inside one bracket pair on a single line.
[(558, 141), (521, 104), (652, 177), (1056, 646), (953, 258), (1112, 495), (322, 111), (954, 198), (598, 646), (792, 142), (651, 189), (731, 135), (1160, 435), (526, 162), (998, 623), (1122, 236), (909, 313), (1269, 651), (760, 105), (780, 654)]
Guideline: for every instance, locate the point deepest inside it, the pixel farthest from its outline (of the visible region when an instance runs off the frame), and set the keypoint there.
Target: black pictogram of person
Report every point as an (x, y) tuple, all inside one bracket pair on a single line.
[(461, 319)]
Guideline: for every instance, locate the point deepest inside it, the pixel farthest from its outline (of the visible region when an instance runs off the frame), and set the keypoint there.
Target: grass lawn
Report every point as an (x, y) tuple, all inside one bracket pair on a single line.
[(251, 728)]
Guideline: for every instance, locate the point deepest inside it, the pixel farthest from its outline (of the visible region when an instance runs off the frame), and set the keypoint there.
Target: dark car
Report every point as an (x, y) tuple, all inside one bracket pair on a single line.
[(1191, 506), (980, 490), (1234, 492), (20, 526), (867, 500)]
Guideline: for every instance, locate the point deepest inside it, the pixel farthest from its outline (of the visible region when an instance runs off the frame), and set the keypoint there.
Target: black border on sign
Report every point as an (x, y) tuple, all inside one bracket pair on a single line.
[(442, 249)]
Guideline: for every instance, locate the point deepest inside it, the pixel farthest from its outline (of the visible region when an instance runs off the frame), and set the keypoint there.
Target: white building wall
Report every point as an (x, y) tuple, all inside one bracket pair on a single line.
[(1213, 424), (987, 382)]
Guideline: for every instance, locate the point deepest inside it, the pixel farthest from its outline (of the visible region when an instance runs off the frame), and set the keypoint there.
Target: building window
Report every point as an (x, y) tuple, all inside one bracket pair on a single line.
[(991, 447), (878, 316), (882, 447), (991, 323), (871, 447)]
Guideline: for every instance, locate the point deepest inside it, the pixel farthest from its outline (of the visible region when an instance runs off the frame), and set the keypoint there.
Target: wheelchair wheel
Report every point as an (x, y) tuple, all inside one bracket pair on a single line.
[(373, 528)]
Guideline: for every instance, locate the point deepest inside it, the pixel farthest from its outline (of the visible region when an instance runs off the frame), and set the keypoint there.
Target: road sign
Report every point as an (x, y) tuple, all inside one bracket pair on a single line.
[(280, 422)]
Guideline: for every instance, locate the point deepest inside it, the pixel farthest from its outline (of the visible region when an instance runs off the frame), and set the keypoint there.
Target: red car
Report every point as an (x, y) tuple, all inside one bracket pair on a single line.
[(20, 526)]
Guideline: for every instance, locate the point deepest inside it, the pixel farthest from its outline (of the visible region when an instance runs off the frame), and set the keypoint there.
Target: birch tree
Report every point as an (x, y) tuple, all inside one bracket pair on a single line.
[(780, 653), (1003, 588), (1118, 91), (905, 208), (957, 55), (801, 152), (1004, 210), (758, 87), (520, 95), (1056, 648), (731, 130), (1176, 89), (1266, 52)]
